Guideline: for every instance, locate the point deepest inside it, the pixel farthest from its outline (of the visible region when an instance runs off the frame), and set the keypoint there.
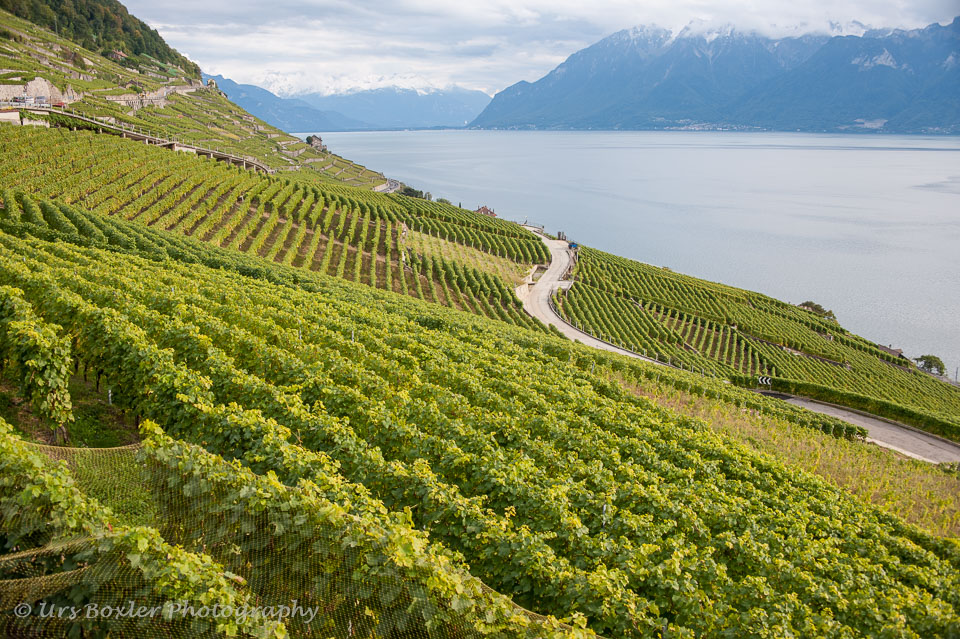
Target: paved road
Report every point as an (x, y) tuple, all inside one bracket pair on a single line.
[(909, 442), (536, 301), (390, 186)]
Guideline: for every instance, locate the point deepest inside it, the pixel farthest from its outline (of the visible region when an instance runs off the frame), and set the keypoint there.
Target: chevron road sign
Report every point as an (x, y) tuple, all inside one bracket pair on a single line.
[(765, 381)]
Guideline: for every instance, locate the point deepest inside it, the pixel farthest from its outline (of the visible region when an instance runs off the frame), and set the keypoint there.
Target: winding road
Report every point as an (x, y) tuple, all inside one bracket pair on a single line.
[(536, 297), (902, 439)]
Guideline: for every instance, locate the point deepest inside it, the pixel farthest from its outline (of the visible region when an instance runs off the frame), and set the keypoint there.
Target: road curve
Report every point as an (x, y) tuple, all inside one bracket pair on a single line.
[(536, 299), (902, 439)]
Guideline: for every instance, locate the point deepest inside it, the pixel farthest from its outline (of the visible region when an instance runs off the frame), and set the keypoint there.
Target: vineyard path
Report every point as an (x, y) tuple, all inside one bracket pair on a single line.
[(902, 439)]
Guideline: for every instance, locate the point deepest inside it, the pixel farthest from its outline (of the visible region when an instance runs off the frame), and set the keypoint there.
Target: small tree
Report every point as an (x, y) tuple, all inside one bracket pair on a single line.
[(931, 364), (409, 191), (817, 309)]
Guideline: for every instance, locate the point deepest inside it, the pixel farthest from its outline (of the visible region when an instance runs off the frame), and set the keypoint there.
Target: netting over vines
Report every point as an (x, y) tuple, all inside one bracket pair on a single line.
[(192, 545), (397, 448)]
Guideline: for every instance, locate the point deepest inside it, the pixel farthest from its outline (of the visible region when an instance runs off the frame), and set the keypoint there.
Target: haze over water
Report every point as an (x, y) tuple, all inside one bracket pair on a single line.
[(866, 225)]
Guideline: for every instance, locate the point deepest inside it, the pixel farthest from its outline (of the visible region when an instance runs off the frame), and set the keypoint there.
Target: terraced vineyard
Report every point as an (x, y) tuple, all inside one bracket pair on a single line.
[(341, 231), (30, 51), (318, 424), (205, 118), (505, 268), (729, 332), (160, 98), (558, 488)]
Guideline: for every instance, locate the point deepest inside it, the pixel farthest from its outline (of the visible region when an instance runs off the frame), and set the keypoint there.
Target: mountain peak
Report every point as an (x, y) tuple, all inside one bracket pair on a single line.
[(710, 31), (642, 32), (639, 38), (721, 76), (852, 28)]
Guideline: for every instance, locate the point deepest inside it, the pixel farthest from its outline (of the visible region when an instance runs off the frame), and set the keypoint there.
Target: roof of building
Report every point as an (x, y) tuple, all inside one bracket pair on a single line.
[(896, 352)]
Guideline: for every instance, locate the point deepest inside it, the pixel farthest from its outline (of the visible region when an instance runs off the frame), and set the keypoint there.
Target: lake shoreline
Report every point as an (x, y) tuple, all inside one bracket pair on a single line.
[(861, 223)]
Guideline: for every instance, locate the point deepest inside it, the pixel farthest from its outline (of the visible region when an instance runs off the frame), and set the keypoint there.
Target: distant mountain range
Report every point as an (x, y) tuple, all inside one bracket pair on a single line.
[(395, 108), (386, 108), (285, 113), (647, 78)]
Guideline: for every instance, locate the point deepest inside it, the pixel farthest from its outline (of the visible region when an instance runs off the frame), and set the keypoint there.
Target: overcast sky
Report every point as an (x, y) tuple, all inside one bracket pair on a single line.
[(337, 45)]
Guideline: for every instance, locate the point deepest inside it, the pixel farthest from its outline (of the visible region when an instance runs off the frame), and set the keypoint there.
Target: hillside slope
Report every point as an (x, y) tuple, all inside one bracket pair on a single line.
[(338, 404), (566, 493), (145, 93), (351, 233), (434, 251), (741, 335), (104, 26)]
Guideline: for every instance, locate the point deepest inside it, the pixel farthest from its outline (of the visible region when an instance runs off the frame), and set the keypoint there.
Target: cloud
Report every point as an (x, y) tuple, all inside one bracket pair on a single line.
[(335, 45)]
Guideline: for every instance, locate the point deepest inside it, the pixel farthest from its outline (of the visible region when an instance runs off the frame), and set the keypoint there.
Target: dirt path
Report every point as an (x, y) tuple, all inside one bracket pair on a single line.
[(902, 439)]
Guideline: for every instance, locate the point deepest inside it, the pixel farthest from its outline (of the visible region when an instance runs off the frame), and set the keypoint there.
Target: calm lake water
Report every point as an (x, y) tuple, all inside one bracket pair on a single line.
[(868, 226)]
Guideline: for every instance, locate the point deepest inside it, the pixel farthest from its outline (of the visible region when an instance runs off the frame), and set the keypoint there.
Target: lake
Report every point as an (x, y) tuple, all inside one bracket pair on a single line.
[(866, 225)]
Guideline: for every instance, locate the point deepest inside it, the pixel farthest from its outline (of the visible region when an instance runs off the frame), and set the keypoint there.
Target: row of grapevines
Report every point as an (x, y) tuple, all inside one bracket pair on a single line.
[(176, 395), (556, 585), (101, 564), (691, 481), (40, 356)]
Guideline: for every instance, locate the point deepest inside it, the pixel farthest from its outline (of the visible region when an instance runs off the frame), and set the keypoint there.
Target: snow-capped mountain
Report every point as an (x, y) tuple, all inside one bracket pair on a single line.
[(710, 77)]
